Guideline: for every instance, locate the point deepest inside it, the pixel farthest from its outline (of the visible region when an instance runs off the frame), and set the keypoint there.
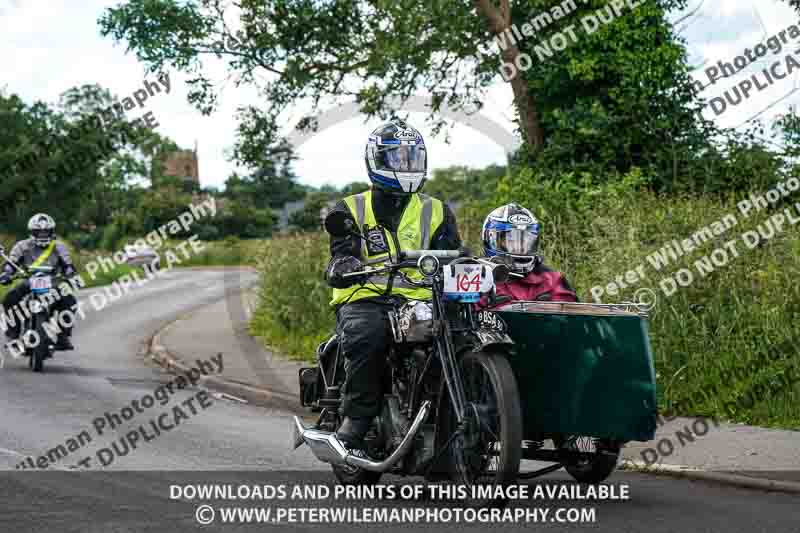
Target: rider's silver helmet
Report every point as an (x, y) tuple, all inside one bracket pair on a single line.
[(42, 228)]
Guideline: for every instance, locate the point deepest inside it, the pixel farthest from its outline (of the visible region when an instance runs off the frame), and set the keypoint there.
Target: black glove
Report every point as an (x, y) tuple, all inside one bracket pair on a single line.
[(5, 278), (341, 266)]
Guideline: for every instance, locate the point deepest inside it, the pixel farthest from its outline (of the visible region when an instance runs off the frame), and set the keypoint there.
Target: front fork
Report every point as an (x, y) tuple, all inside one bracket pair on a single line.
[(447, 355)]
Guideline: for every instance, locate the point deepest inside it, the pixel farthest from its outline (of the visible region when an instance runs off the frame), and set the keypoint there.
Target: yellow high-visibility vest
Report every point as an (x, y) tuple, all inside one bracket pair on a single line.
[(45, 255), (421, 218)]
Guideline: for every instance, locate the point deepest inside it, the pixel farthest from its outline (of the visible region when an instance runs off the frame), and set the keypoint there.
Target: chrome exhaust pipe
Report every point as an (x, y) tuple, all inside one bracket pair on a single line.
[(328, 448)]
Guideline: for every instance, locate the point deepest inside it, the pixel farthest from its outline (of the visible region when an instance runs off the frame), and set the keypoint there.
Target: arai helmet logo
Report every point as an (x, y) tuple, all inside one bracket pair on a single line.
[(406, 135), (520, 218)]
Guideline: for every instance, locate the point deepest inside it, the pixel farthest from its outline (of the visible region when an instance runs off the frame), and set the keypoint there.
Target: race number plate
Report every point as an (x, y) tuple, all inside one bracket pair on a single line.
[(466, 282), (41, 284)]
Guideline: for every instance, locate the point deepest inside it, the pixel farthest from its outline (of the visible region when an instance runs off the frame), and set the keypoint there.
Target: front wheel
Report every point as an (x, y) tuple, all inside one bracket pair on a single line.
[(489, 448), (41, 350)]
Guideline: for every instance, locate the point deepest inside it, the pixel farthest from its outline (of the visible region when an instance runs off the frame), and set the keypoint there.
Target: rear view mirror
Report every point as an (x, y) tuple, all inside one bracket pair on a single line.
[(338, 224)]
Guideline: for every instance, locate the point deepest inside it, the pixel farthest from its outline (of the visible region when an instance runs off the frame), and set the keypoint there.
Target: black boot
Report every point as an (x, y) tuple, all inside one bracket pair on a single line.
[(352, 431)]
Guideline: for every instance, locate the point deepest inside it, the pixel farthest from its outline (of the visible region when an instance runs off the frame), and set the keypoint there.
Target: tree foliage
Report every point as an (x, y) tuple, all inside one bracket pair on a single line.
[(615, 98), (70, 160), (308, 51), (460, 184), (102, 177)]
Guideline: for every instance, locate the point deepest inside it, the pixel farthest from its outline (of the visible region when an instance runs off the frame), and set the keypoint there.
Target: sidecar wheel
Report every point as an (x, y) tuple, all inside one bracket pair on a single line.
[(489, 453), (597, 463)]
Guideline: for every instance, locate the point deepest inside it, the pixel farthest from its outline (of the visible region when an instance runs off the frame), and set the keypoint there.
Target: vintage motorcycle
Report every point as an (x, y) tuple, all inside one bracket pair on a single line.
[(451, 410), (38, 331)]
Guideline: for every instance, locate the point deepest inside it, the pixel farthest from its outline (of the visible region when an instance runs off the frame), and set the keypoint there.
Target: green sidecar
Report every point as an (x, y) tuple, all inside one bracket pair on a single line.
[(586, 380)]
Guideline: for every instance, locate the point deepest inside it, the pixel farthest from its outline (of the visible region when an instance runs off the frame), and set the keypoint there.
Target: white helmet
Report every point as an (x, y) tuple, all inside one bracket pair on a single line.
[(396, 158), (42, 228)]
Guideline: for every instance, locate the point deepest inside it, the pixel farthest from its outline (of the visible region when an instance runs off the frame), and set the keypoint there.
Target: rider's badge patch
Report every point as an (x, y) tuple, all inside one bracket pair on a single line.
[(376, 241)]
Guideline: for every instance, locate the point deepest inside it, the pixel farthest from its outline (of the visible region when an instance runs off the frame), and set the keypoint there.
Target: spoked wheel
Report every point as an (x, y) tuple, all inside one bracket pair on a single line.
[(596, 458), (489, 449)]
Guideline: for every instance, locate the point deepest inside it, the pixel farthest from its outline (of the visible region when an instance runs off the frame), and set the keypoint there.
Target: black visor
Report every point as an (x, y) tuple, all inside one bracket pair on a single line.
[(43, 233)]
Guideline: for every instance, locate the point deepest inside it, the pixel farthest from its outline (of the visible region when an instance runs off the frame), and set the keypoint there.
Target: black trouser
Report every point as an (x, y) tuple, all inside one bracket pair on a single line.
[(365, 336), (14, 297)]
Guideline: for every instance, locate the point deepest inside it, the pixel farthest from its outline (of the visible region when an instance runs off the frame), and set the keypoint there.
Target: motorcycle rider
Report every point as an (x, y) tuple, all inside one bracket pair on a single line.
[(510, 235), (392, 214), (41, 249)]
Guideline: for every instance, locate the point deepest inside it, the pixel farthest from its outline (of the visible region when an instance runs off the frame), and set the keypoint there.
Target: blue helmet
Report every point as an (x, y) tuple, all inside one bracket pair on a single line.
[(511, 233), (396, 158)]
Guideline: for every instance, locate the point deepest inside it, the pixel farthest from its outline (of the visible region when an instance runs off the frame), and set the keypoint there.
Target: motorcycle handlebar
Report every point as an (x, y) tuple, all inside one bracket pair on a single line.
[(439, 254), (409, 260)]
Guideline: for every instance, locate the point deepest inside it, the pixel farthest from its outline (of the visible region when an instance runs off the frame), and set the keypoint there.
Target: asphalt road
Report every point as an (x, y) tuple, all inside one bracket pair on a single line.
[(215, 440)]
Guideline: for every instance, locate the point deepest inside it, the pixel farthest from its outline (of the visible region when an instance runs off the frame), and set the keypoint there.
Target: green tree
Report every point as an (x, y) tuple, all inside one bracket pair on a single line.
[(460, 183), (75, 160), (617, 98), (267, 188), (159, 206), (354, 187), (241, 219), (370, 51), (308, 218)]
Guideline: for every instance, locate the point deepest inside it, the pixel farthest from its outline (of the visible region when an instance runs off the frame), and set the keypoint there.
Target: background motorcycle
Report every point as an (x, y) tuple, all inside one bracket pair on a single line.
[(452, 404), (37, 331)]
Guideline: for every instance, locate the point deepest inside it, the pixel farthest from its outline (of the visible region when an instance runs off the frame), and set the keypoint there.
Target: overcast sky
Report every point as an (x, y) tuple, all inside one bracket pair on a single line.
[(49, 46)]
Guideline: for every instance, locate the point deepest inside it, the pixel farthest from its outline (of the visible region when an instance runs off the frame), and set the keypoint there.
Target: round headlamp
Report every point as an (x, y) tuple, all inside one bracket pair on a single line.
[(428, 265)]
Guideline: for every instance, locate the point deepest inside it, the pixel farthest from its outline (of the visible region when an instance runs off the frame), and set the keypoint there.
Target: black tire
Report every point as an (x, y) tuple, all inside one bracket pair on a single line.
[(500, 401), (598, 462), (41, 350), (351, 475)]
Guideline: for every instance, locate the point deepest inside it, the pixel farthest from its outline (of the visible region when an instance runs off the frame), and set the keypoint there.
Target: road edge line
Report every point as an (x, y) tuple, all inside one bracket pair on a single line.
[(259, 396), (724, 478)]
